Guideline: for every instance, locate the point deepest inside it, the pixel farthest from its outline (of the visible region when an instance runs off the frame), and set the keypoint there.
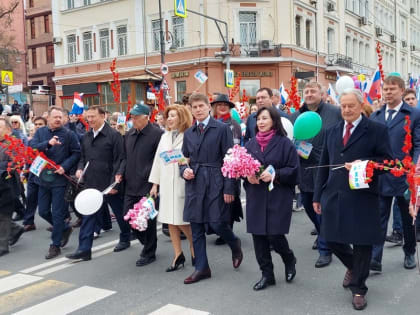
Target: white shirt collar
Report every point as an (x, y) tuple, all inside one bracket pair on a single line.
[(354, 123), (95, 133), (205, 121), (397, 108)]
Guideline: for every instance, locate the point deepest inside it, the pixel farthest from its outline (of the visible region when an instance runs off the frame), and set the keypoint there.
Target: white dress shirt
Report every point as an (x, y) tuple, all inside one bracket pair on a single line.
[(354, 123), (397, 109)]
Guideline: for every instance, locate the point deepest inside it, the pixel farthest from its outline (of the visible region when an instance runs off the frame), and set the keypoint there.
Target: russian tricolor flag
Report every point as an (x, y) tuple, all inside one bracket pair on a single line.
[(78, 105), (331, 92), (374, 87), (283, 94)]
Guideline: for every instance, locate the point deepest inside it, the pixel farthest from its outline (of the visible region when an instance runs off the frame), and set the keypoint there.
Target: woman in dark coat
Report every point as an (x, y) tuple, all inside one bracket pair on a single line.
[(221, 111), (268, 213)]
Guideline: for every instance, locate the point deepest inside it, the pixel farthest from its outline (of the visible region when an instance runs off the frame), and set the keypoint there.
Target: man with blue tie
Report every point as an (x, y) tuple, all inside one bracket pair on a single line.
[(393, 114), (208, 194)]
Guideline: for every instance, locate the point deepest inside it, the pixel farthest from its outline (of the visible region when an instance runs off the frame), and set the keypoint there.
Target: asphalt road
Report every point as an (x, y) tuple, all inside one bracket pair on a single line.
[(111, 283)]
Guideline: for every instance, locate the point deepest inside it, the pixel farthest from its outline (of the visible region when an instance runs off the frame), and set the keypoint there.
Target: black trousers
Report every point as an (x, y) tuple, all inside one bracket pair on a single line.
[(263, 253), (147, 238), (356, 259)]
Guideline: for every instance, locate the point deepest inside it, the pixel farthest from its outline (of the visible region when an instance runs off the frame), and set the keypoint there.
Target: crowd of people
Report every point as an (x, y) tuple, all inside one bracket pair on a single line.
[(196, 200)]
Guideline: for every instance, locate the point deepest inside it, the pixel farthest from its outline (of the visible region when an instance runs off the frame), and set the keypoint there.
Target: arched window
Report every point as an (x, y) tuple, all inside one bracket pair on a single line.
[(361, 53), (367, 54), (330, 40), (298, 21), (308, 31), (348, 46), (355, 51)]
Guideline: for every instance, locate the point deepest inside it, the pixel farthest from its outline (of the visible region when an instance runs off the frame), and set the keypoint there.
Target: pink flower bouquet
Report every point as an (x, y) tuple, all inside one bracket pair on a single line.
[(141, 212), (239, 163)]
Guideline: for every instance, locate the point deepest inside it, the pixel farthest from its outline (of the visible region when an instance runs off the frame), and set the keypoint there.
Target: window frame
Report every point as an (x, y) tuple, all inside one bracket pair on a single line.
[(49, 56), (104, 40), (71, 47)]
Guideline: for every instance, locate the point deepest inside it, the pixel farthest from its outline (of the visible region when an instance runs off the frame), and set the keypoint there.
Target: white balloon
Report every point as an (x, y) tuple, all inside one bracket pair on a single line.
[(88, 201), (344, 83), (288, 126)]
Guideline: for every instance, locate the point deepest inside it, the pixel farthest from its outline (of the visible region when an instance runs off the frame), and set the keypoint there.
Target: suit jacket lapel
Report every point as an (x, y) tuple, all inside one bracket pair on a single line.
[(201, 137), (357, 133), (400, 116)]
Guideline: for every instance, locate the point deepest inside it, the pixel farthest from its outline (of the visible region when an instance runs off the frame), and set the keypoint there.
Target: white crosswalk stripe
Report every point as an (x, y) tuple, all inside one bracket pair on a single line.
[(15, 281), (172, 309)]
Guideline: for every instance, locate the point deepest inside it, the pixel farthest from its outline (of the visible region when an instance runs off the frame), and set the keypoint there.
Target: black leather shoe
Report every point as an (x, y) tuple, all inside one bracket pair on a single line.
[(290, 270), (323, 261), (29, 227), (198, 276), (80, 255), (66, 236), (359, 302), (409, 262), (263, 283), (237, 256), (375, 266), (180, 260), (219, 241), (53, 252), (3, 252), (315, 244), (121, 246), (395, 237), (314, 232), (143, 261), (13, 240)]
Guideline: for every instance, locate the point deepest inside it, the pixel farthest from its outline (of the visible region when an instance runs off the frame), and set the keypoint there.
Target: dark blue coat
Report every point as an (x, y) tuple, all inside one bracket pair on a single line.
[(389, 184), (67, 154), (251, 123), (351, 216), (270, 212), (204, 200)]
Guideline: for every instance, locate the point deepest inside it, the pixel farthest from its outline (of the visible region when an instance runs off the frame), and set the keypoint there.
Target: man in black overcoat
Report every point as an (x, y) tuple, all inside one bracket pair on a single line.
[(392, 115), (103, 148), (141, 143), (207, 193), (351, 216)]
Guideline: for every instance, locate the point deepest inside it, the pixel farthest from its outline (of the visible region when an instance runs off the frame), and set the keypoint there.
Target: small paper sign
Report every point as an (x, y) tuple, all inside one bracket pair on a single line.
[(172, 156), (303, 148), (38, 165), (357, 175), (121, 119), (129, 124), (151, 205), (200, 76), (270, 169), (151, 96)]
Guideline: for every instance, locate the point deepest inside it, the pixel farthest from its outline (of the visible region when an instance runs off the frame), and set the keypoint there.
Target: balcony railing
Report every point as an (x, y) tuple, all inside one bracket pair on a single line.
[(339, 60), (261, 49)]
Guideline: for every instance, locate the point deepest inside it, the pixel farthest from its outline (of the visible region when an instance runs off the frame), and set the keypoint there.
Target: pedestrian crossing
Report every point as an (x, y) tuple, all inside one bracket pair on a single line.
[(25, 294)]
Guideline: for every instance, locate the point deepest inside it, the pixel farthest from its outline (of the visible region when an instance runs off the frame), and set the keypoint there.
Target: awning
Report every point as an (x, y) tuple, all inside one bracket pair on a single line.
[(86, 88), (144, 77)]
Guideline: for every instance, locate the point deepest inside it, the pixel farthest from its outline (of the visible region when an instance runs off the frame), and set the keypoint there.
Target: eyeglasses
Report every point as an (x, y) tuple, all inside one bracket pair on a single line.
[(14, 122)]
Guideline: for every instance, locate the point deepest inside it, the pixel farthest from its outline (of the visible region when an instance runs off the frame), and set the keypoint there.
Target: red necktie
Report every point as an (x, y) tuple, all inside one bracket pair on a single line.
[(347, 134)]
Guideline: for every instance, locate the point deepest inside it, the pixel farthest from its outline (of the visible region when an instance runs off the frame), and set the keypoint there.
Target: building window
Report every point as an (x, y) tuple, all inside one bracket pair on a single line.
[(106, 94), (31, 3), (178, 31), (330, 39), (125, 90), (70, 4), (139, 92), (122, 40), (298, 20), (156, 34), (348, 46), (248, 28), (71, 48), (355, 49), (50, 53), (361, 53), (32, 21), (181, 89), (47, 23), (308, 26), (104, 42), (87, 46), (34, 63), (367, 54), (87, 2)]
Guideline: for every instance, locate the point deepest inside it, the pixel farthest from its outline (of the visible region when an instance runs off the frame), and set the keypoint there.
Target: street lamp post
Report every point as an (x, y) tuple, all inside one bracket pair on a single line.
[(162, 41)]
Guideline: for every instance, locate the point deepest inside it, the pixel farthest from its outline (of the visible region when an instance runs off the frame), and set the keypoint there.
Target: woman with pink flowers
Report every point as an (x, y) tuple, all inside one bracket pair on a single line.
[(269, 195), (165, 176)]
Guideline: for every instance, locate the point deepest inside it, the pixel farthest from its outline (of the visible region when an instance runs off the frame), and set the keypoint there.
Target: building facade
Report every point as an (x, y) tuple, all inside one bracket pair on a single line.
[(268, 42), (40, 50)]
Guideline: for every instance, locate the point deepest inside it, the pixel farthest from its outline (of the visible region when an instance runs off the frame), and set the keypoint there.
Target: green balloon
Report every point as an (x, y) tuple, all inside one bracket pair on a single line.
[(307, 126), (235, 115)]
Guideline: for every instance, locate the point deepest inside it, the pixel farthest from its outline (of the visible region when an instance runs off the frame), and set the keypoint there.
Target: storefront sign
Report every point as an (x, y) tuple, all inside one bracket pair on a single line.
[(247, 74), (180, 74)]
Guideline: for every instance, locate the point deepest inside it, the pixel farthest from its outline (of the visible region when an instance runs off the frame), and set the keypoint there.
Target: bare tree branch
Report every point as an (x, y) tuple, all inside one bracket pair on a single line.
[(7, 11)]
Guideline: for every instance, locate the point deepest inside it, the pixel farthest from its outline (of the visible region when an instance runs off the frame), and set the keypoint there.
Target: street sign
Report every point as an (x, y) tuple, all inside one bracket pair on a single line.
[(18, 88), (180, 8), (229, 78), (200, 76), (164, 69), (7, 77)]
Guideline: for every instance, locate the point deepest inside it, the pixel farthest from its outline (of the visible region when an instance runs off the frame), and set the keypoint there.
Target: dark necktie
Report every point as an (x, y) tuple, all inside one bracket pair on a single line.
[(347, 134), (390, 114), (201, 128)]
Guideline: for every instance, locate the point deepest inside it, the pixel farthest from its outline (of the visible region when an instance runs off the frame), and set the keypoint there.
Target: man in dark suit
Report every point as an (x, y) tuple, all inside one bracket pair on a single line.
[(392, 115), (141, 143), (207, 193), (103, 148), (264, 98), (330, 115), (351, 216)]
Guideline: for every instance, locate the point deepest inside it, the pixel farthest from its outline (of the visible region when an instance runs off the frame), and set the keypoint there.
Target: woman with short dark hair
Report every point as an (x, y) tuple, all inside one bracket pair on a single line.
[(269, 196)]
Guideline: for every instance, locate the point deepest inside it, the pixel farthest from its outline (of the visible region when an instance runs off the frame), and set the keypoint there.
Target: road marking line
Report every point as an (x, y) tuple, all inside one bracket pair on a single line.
[(16, 281), (4, 273), (64, 259), (68, 302), (71, 263), (172, 309), (31, 294)]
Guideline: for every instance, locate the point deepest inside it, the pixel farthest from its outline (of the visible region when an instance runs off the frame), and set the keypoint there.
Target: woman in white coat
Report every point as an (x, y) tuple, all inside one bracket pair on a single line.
[(172, 185)]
